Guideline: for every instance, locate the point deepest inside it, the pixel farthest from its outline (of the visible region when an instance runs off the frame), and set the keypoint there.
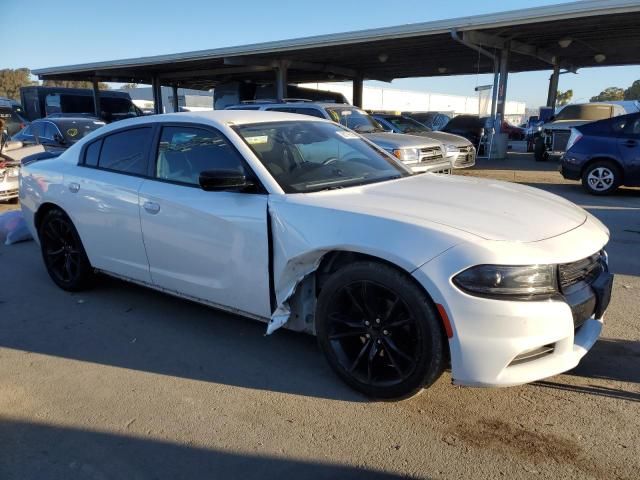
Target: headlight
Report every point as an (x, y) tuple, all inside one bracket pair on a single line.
[(539, 128), (506, 280), (451, 149), (407, 154)]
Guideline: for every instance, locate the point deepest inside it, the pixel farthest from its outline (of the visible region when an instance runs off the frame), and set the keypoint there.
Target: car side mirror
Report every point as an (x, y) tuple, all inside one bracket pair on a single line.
[(220, 180), (59, 138)]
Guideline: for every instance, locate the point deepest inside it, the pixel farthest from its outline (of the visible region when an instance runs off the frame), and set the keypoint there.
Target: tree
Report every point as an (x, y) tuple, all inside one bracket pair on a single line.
[(633, 92), (11, 80), (129, 86), (73, 84), (562, 98), (611, 93)]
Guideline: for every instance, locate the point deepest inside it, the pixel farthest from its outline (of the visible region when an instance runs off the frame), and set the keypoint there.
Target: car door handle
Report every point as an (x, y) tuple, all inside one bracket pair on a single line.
[(74, 187), (151, 207), (630, 143)]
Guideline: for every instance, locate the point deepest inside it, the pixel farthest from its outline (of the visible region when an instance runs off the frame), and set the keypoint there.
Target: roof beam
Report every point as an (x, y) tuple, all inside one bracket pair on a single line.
[(304, 66), (212, 72), (493, 41)]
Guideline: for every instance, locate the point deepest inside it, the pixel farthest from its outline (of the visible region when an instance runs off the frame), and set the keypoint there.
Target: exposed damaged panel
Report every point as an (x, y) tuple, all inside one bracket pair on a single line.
[(303, 234)]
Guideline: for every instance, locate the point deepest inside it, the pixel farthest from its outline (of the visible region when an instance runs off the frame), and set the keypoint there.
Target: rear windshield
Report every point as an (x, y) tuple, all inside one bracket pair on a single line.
[(74, 130), (407, 125), (354, 118), (585, 112)]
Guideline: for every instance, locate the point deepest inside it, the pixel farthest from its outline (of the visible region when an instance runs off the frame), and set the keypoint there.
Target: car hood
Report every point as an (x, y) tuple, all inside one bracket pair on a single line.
[(391, 141), (490, 209), (447, 138)]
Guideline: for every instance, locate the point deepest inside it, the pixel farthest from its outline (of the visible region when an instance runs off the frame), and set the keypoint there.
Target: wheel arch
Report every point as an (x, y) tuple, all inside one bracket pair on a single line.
[(43, 210), (330, 262), (604, 158)]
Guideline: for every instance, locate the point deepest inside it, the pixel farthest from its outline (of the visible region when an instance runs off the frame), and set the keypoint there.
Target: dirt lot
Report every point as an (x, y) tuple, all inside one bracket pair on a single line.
[(122, 382)]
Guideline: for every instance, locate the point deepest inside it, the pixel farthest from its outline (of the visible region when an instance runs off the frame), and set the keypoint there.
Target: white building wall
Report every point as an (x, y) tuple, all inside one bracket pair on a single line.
[(380, 98)]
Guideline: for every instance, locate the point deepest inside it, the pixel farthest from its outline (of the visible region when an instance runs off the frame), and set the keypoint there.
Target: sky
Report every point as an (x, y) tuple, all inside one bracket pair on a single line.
[(68, 32)]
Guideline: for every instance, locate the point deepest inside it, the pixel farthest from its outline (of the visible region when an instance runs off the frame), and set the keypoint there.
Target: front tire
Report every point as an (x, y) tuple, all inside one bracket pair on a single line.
[(601, 178), (379, 331), (539, 150), (63, 253)]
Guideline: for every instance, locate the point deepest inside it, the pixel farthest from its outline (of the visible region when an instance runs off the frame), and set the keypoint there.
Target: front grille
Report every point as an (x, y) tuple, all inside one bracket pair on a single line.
[(430, 154), (585, 270), (560, 140)]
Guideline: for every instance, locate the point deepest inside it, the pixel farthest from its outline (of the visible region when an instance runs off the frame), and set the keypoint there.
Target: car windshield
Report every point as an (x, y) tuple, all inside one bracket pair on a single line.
[(585, 112), (313, 156), (355, 119), (75, 129), (407, 125)]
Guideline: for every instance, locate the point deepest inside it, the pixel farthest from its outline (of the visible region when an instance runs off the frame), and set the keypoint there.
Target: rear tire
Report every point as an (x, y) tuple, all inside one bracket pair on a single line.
[(539, 150), (63, 253), (379, 331), (601, 178)]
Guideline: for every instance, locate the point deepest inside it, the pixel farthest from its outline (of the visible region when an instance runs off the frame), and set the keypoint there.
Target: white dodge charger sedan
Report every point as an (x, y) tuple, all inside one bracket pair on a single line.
[(299, 222)]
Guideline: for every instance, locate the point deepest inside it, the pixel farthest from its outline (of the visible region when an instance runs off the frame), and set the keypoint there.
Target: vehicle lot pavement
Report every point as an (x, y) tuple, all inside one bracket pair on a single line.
[(122, 382)]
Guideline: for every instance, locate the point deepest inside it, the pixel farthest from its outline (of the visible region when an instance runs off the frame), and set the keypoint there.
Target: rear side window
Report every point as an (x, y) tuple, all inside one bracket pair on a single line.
[(92, 153), (126, 151)]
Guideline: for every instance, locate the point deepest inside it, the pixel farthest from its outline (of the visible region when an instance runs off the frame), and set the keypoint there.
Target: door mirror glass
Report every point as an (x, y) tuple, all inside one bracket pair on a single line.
[(217, 180)]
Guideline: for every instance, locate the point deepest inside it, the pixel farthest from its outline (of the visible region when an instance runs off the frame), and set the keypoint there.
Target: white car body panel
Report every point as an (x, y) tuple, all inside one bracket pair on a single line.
[(208, 245), (213, 246), (106, 214)]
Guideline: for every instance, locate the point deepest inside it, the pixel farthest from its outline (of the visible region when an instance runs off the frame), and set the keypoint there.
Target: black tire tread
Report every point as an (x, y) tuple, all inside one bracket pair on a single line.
[(430, 369)]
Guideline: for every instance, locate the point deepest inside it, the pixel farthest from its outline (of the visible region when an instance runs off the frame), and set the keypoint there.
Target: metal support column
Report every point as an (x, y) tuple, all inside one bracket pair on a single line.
[(176, 106), (499, 139), (494, 93), (358, 87), (281, 80), (156, 87), (96, 98), (553, 86), (502, 86)]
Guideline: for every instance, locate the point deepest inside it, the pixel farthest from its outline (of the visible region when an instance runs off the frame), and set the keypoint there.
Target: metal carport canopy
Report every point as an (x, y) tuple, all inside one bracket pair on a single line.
[(608, 30)]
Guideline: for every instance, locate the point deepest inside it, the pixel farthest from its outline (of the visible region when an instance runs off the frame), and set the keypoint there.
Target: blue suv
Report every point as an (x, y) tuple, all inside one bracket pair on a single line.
[(604, 154)]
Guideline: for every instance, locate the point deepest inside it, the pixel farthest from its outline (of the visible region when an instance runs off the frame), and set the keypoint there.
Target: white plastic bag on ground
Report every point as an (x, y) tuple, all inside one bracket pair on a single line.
[(13, 228)]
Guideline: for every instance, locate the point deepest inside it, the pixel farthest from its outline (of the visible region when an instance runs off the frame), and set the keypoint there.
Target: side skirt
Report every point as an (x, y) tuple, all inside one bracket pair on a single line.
[(175, 293)]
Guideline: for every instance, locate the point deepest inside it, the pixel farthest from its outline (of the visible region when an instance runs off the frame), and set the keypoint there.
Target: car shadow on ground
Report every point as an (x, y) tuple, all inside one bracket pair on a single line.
[(59, 453), (123, 325), (610, 359)]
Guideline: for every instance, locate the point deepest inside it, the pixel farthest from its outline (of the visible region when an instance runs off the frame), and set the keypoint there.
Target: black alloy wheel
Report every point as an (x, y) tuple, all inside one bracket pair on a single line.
[(63, 253), (379, 331)]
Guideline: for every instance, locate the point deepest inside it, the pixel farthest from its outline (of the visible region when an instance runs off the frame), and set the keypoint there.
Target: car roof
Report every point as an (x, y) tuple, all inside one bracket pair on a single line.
[(293, 103), (215, 118)]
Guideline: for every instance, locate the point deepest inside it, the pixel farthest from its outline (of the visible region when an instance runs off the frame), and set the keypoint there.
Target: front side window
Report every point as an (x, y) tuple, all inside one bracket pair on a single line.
[(632, 127), (185, 152), (311, 156), (126, 151), (50, 131)]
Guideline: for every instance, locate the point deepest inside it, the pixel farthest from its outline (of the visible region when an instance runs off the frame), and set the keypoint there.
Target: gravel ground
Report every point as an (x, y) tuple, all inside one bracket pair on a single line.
[(122, 382)]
